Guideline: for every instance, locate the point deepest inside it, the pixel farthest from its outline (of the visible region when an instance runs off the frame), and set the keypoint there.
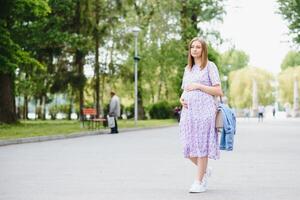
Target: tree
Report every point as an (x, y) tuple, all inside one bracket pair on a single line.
[(291, 59), (232, 60), (8, 64), (195, 12), (81, 27), (167, 26), (29, 80), (290, 10), (13, 13), (144, 11), (107, 15), (286, 84), (240, 87)]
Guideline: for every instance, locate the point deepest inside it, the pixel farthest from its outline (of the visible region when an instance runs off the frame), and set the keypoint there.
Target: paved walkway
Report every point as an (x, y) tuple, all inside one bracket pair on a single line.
[(148, 165)]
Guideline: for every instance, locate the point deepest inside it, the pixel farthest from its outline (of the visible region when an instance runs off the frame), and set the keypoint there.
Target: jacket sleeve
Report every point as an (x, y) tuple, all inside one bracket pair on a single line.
[(112, 106)]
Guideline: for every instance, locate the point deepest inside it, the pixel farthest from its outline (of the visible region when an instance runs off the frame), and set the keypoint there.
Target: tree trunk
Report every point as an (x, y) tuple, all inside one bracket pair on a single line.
[(25, 111), (7, 99), (188, 21), (159, 91), (44, 97), (141, 111), (18, 109), (183, 21), (97, 78), (102, 94), (166, 90), (38, 108), (160, 82), (152, 96), (70, 109), (79, 63), (79, 57)]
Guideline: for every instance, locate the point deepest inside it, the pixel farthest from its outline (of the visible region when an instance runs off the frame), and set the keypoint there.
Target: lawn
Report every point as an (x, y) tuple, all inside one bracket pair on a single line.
[(32, 128)]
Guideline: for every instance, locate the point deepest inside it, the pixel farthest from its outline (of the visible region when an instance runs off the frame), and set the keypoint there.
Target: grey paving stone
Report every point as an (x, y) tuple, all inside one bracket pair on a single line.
[(148, 165)]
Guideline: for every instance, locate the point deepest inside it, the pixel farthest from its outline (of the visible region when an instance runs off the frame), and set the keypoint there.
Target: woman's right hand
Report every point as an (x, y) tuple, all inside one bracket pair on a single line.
[(183, 103)]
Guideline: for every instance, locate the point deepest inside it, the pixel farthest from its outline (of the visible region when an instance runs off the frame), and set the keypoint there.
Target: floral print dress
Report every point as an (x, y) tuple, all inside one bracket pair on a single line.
[(197, 122)]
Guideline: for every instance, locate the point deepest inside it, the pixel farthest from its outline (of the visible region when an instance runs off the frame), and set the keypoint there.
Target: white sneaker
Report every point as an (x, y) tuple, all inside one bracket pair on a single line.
[(206, 176), (208, 172), (197, 187)]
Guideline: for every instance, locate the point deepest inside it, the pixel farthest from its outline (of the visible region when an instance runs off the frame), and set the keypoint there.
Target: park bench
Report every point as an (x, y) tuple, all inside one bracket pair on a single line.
[(90, 116)]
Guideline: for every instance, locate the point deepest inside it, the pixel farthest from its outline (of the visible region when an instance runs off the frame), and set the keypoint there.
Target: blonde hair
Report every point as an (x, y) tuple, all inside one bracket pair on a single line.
[(204, 55)]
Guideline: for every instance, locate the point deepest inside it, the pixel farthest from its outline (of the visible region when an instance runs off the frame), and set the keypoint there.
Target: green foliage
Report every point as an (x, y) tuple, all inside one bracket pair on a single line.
[(47, 43), (8, 57), (163, 45), (214, 56), (30, 79), (195, 12), (129, 111), (21, 13), (30, 10), (16, 14), (53, 110), (290, 10), (161, 110), (240, 93), (292, 59), (165, 66), (232, 60), (286, 84)]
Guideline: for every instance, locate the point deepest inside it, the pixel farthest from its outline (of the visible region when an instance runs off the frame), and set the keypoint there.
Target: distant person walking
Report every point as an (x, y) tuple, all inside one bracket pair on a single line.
[(197, 123), (177, 112), (114, 110), (274, 111), (261, 111)]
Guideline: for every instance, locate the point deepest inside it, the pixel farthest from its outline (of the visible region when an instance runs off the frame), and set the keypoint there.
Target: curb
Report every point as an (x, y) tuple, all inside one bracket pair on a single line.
[(74, 135)]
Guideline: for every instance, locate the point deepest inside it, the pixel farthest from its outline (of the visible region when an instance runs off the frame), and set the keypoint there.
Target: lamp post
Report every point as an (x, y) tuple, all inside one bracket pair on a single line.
[(135, 31)]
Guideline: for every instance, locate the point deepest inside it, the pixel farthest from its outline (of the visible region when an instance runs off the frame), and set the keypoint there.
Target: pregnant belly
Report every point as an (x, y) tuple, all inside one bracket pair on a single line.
[(200, 100), (197, 96)]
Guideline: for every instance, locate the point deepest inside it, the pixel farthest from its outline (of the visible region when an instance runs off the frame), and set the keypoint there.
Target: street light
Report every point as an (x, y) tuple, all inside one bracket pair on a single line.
[(136, 31), (225, 78)]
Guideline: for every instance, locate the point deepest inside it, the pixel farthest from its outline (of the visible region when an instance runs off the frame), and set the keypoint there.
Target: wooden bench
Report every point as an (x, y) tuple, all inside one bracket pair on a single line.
[(93, 121)]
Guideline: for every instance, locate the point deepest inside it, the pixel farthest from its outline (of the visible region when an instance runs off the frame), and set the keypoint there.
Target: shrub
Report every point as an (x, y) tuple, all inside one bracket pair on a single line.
[(129, 111), (161, 110), (53, 110)]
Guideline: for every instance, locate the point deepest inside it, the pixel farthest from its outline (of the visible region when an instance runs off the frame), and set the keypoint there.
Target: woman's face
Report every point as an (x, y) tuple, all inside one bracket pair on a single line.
[(196, 49)]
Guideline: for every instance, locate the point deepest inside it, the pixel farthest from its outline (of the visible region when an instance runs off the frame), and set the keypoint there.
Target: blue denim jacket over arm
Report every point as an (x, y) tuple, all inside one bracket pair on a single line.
[(229, 128)]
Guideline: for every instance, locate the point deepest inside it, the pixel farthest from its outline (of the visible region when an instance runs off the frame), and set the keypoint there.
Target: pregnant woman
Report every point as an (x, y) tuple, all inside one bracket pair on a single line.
[(197, 123)]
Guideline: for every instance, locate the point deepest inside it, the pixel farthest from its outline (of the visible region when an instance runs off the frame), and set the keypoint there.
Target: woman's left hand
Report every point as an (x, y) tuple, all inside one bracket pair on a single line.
[(192, 86)]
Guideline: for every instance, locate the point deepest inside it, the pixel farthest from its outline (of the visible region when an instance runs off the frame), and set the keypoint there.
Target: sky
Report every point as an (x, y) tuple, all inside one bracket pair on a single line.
[(254, 27)]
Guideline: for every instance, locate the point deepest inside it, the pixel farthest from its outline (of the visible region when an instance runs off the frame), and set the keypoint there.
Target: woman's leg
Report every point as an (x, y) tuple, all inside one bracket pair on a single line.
[(202, 165), (194, 160)]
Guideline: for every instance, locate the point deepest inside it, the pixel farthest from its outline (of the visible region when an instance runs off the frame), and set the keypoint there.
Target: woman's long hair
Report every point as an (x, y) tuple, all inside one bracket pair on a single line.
[(204, 55)]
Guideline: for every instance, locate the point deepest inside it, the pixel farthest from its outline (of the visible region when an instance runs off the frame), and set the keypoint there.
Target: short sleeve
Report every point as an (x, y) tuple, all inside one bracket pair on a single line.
[(214, 74), (183, 79)]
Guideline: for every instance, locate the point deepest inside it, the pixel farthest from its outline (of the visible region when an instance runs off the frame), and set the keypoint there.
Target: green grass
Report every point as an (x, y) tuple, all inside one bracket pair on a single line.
[(145, 123), (63, 127)]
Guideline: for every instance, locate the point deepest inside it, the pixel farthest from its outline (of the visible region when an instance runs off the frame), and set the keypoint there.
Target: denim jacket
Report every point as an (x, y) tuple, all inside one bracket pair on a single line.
[(229, 128)]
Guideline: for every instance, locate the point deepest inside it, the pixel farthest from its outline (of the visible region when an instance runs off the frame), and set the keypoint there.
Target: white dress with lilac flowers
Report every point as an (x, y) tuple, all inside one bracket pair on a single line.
[(197, 122)]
